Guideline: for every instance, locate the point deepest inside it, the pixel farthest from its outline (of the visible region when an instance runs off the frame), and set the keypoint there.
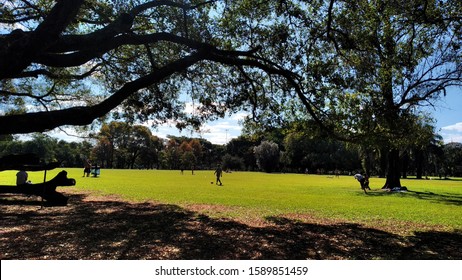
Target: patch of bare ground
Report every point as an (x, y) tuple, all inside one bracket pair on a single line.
[(97, 227)]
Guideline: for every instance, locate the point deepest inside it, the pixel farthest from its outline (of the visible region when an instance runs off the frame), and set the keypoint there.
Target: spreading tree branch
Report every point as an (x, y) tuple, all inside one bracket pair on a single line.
[(42, 121), (19, 50)]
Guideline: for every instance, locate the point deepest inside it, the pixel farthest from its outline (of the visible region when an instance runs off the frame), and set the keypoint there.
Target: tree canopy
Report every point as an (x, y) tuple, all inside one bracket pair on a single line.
[(71, 62), (368, 67), (356, 66)]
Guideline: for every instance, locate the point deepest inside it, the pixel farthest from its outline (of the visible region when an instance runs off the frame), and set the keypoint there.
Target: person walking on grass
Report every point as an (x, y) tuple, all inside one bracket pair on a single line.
[(87, 168), (218, 172)]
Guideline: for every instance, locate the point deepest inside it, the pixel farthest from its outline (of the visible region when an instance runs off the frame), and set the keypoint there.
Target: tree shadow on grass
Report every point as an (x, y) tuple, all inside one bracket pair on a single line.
[(105, 229), (445, 198)]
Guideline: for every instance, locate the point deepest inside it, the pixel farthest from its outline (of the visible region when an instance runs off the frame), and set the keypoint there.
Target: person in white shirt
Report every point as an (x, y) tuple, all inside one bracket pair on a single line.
[(363, 181)]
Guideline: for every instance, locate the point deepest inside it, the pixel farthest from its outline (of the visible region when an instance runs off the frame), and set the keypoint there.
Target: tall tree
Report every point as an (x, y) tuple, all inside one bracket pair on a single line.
[(453, 159), (243, 147), (267, 155), (396, 57), (149, 157), (139, 142), (366, 67), (113, 143)]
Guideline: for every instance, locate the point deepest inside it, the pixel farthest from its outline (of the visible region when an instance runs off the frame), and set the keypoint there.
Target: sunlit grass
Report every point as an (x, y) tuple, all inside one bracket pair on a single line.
[(434, 203)]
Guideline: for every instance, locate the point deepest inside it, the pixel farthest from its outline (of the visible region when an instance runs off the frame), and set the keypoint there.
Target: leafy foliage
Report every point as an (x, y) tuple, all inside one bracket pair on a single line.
[(148, 59), (267, 155)]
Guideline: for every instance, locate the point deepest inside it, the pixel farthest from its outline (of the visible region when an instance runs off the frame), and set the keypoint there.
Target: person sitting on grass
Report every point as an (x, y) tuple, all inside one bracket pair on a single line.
[(21, 178)]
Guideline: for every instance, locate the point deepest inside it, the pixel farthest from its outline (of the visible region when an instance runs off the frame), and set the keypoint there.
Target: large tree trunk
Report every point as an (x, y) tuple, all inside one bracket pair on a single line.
[(419, 159), (394, 170), (405, 164), (383, 162)]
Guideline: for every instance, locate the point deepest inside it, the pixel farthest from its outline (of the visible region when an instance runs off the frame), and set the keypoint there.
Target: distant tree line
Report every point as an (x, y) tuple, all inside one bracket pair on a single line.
[(48, 149), (119, 145)]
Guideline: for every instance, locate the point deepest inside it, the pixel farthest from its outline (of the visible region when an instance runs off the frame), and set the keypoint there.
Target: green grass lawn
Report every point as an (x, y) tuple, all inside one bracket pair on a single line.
[(252, 195)]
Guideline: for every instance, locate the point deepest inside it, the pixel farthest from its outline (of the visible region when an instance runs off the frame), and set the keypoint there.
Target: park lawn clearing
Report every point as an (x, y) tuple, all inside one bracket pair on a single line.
[(261, 198)]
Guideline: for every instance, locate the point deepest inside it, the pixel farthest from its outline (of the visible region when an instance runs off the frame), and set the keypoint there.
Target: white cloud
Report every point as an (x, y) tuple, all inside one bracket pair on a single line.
[(239, 116), (189, 108), (221, 131), (455, 127), (217, 132), (448, 138), (221, 125), (67, 134), (452, 133)]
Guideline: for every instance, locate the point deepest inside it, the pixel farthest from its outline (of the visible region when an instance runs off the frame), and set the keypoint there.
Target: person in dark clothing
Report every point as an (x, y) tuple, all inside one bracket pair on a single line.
[(218, 173), (87, 169)]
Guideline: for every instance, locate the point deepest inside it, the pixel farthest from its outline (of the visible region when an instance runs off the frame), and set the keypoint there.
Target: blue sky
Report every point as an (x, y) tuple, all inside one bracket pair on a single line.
[(448, 115), (218, 132)]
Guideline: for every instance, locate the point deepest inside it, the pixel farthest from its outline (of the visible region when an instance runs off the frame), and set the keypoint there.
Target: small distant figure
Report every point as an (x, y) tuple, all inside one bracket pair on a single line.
[(363, 181), (95, 170), (192, 169), (182, 170), (218, 173), (21, 178), (337, 173), (87, 169)]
